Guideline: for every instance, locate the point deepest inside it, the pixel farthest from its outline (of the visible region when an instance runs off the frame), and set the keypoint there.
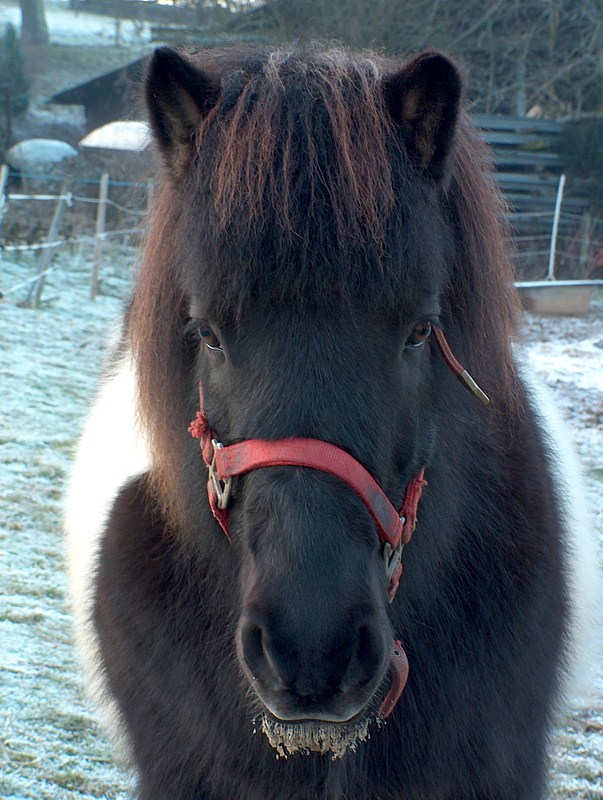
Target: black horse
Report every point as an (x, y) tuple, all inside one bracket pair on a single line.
[(325, 234)]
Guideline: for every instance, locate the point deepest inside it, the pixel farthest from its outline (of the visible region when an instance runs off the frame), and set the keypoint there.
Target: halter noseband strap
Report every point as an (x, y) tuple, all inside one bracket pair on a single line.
[(394, 528)]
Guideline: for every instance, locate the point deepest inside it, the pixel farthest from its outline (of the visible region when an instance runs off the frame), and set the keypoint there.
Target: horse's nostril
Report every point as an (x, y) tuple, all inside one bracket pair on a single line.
[(251, 648), (365, 644), (366, 659), (367, 653), (252, 644), (370, 648), (256, 658)]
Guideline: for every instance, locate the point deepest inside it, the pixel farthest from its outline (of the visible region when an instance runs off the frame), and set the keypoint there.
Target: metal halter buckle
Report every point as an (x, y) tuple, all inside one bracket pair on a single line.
[(220, 489), (392, 558), (393, 566)]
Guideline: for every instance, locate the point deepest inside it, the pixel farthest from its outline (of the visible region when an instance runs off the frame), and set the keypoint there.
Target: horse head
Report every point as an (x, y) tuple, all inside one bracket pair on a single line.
[(304, 270)]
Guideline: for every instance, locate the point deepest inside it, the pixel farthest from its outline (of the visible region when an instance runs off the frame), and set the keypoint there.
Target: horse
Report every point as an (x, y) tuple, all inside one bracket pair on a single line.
[(306, 562)]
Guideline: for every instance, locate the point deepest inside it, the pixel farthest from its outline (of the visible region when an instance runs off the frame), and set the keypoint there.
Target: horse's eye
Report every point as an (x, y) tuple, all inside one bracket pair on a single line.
[(209, 339), (420, 334)]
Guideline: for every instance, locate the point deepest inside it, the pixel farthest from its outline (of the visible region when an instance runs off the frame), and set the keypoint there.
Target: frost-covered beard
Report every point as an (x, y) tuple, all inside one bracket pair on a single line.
[(337, 739)]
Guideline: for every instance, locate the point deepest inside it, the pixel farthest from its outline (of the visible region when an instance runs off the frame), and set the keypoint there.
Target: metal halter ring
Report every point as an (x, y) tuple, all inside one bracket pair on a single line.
[(220, 489), (392, 558)]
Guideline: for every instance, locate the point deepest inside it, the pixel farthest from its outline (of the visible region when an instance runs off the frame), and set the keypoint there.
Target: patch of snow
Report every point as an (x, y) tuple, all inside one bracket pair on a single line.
[(119, 135), (37, 153), (50, 360)]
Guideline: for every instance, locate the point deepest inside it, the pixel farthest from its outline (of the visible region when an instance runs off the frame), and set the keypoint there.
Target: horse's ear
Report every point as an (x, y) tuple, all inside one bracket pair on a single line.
[(178, 96), (424, 99)]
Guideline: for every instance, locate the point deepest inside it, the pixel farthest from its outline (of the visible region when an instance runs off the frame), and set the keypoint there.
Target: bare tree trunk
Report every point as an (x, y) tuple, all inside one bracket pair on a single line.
[(521, 103), (34, 29)]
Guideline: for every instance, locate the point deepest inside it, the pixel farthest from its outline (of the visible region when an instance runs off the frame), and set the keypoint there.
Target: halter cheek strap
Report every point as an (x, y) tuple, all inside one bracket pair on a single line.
[(457, 368)]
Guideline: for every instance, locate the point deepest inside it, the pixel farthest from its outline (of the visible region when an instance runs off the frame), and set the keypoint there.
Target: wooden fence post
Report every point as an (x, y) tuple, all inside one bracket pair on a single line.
[(150, 184), (3, 182), (101, 214), (36, 288), (584, 244)]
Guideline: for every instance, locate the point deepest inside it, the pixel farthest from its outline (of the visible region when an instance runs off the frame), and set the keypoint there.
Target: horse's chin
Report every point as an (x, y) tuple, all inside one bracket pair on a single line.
[(314, 736)]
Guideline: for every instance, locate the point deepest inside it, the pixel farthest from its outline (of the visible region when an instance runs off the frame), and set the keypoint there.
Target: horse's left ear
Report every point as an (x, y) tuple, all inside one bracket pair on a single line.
[(178, 96), (424, 99)]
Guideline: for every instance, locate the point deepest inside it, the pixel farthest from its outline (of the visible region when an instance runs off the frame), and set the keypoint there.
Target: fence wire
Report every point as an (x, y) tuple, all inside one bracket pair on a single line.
[(580, 236)]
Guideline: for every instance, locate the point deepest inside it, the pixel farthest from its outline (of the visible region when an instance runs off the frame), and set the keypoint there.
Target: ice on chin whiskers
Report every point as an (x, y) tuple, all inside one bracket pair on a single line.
[(288, 738)]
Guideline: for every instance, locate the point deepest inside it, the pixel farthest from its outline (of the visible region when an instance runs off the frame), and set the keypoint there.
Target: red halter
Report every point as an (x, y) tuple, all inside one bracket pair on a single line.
[(395, 529)]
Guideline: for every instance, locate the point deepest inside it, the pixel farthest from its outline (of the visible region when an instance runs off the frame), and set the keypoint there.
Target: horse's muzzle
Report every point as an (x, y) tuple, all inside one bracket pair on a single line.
[(308, 679)]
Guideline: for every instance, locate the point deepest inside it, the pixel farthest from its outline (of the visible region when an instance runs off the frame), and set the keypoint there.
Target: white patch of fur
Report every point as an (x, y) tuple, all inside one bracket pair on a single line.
[(111, 451), (584, 574)]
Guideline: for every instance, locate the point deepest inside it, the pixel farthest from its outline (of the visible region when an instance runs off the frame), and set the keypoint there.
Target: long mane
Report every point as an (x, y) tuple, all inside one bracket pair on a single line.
[(300, 155)]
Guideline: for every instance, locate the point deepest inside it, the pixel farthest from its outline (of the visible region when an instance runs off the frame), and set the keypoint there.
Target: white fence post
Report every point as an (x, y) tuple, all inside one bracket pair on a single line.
[(3, 182), (550, 276)]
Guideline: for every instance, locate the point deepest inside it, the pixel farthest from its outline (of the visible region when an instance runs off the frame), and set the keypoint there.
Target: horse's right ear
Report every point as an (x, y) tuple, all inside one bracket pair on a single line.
[(424, 99), (178, 96)]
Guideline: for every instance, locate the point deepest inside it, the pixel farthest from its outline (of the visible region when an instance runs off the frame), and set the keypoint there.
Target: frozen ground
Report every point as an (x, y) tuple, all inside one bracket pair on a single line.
[(50, 746), (67, 27)]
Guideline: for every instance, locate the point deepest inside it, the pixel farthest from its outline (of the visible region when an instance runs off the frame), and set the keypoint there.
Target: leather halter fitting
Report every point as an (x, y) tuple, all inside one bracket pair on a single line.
[(395, 529)]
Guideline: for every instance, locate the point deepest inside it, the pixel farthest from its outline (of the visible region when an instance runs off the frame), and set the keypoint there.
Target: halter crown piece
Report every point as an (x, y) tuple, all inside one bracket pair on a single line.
[(394, 528)]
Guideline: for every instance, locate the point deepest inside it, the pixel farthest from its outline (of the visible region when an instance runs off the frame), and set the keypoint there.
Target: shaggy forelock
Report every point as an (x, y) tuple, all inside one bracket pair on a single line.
[(298, 159), (300, 132)]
